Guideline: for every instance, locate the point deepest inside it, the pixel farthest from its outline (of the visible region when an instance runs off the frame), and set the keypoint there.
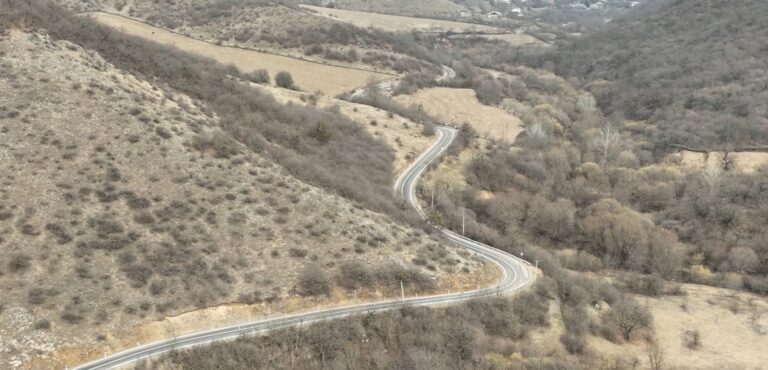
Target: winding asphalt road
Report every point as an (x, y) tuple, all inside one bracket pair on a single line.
[(516, 274), (388, 87)]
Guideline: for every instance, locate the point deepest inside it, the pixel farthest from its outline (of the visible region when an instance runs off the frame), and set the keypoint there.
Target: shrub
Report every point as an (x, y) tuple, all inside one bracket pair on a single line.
[(393, 274), (144, 218), (314, 282), (157, 287), (353, 275), (71, 317), (574, 344), (36, 296), (757, 284), (489, 92), (428, 130), (19, 263), (321, 133), (259, 76), (692, 339), (42, 324), (297, 252), (138, 274), (163, 133), (285, 80), (222, 145), (629, 316), (650, 285), (58, 231)]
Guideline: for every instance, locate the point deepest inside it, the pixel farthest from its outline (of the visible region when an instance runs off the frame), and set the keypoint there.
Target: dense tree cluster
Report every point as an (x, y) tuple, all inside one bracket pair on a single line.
[(694, 69), (578, 179)]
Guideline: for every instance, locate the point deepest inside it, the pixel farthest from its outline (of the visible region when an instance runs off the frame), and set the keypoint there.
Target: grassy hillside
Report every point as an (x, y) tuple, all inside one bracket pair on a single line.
[(112, 213), (139, 182), (695, 69), (280, 27)]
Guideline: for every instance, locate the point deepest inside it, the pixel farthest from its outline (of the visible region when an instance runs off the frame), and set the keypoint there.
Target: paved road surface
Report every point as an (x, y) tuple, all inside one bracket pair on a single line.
[(517, 274), (388, 87)]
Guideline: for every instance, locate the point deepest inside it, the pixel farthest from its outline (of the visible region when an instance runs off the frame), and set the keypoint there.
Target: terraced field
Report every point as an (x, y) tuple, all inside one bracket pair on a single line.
[(309, 76)]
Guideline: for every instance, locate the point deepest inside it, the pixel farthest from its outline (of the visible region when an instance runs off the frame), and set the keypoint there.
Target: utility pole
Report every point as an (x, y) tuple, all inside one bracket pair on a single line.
[(537, 262), (432, 203), (462, 222), (402, 291)]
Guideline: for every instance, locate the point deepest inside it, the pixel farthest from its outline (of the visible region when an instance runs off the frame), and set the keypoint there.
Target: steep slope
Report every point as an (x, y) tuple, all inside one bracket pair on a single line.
[(113, 213), (280, 27), (696, 69)]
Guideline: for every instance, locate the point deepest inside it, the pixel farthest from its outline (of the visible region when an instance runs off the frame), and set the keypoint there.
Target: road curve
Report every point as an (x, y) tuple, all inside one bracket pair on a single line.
[(388, 87), (517, 274)]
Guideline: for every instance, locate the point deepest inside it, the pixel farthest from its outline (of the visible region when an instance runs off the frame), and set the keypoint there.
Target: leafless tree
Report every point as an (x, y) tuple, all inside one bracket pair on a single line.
[(605, 142), (586, 103), (742, 259), (537, 135), (655, 354), (630, 316), (692, 339), (712, 176), (726, 161)]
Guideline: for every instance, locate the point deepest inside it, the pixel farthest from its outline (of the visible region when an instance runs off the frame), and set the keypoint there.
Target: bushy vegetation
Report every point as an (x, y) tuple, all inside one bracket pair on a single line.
[(362, 171), (603, 182), (693, 69), (415, 114), (284, 25), (699, 223), (488, 333)]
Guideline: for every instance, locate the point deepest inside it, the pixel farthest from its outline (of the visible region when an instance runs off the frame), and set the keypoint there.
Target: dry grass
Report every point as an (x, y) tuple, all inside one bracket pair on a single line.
[(402, 7), (402, 135), (398, 23), (514, 39), (724, 318), (99, 179), (459, 106), (747, 162), (309, 76)]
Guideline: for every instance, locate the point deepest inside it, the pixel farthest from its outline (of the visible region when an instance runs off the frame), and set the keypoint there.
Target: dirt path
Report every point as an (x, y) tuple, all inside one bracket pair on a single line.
[(309, 76), (397, 23)]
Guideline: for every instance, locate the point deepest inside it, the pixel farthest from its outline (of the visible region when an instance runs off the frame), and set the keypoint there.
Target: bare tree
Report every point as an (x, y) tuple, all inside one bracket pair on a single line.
[(692, 339), (630, 316), (755, 315), (586, 103), (655, 354), (605, 142), (742, 259), (712, 176), (726, 161), (537, 135)]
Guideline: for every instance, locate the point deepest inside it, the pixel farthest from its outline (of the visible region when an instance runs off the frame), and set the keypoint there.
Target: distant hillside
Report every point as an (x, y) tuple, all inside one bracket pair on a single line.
[(694, 68), (422, 8)]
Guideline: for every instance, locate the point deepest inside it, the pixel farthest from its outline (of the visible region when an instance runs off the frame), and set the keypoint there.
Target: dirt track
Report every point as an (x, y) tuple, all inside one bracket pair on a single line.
[(398, 23), (309, 76)]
